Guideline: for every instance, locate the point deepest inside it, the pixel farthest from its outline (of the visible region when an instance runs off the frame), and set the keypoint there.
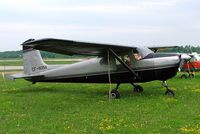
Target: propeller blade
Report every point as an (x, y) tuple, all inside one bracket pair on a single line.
[(184, 58), (182, 61)]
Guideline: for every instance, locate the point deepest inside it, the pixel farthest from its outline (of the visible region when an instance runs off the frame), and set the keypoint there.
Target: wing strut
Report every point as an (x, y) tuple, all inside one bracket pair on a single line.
[(125, 65)]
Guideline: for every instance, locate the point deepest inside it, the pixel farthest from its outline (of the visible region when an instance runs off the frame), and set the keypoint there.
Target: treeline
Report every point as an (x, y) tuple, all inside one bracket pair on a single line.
[(182, 49), (18, 54)]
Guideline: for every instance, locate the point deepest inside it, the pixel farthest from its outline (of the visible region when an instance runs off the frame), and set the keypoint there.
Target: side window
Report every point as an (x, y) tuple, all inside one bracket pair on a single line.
[(104, 60), (117, 62), (127, 60)]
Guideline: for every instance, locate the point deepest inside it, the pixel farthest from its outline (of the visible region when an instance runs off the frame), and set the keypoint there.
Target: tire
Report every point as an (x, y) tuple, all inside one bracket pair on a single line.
[(191, 75), (114, 94), (138, 89), (170, 93), (183, 76)]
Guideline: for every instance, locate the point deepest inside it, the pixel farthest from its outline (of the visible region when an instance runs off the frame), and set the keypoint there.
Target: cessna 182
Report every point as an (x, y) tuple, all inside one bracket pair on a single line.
[(112, 64)]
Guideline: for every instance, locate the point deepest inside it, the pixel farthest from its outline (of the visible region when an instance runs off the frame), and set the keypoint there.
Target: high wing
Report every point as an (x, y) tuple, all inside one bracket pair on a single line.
[(70, 47)]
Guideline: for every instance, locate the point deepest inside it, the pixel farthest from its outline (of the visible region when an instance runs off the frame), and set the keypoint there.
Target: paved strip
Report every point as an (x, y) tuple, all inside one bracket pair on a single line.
[(9, 68)]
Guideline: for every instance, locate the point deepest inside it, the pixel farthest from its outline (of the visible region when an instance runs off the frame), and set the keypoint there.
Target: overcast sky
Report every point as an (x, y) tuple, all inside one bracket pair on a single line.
[(136, 22)]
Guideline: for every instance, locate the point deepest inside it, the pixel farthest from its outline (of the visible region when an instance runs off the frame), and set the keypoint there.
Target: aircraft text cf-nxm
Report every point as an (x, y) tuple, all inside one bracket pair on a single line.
[(112, 63)]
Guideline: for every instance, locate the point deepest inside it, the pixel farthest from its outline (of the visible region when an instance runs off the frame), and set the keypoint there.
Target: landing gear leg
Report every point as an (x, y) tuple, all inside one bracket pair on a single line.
[(114, 94), (168, 91), (137, 88)]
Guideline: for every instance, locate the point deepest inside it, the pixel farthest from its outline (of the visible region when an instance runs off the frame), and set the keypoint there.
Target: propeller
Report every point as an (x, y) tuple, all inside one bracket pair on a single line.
[(192, 55), (184, 58), (187, 59)]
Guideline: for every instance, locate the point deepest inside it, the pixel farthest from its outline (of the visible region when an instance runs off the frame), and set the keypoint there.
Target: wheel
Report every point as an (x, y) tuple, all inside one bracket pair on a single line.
[(169, 93), (183, 76), (138, 89), (114, 94), (191, 75)]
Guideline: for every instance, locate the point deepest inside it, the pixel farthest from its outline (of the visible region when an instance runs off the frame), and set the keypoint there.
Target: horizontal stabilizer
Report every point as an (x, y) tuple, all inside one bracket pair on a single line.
[(24, 76)]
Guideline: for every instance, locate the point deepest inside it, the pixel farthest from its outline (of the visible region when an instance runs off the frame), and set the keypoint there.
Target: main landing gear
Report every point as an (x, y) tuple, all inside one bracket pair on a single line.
[(168, 92), (114, 94)]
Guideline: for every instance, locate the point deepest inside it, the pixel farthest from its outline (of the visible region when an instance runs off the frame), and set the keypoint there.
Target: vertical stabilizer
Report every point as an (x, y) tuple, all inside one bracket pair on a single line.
[(33, 62)]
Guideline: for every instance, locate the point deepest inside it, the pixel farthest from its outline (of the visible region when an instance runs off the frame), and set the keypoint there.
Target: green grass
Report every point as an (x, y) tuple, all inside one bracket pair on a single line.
[(85, 108)]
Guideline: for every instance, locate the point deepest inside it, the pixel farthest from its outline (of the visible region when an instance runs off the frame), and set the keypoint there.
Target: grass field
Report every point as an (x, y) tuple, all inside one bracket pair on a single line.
[(85, 108)]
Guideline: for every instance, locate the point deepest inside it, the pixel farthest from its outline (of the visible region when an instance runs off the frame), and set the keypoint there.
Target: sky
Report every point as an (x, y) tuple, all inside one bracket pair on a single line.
[(135, 22)]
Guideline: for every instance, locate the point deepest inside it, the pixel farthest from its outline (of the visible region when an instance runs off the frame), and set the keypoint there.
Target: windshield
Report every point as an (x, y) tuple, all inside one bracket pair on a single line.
[(144, 51)]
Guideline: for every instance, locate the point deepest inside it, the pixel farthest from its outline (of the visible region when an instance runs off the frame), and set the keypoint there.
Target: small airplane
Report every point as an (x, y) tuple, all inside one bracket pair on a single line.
[(111, 64), (190, 65)]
